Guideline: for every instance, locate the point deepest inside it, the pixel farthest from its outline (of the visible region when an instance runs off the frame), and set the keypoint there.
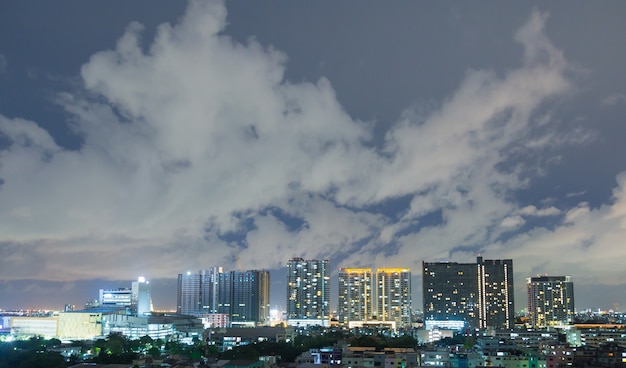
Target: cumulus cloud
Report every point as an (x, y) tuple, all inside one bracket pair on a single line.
[(190, 144), (513, 222), (534, 211), (583, 245)]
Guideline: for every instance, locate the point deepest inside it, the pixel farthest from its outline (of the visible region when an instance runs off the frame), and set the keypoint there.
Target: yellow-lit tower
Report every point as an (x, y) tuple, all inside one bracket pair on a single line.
[(355, 295), (393, 286)]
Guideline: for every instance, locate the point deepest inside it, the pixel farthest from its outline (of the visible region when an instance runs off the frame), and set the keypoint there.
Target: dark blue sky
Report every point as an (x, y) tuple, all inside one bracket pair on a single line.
[(151, 138)]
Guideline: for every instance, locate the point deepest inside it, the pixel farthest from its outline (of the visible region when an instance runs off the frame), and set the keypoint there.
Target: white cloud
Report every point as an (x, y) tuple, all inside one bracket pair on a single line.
[(186, 141), (583, 246), (581, 210), (534, 211), (512, 222), (614, 99)]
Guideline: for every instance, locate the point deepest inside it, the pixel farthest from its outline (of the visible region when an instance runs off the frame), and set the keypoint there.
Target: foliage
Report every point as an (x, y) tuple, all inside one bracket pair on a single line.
[(377, 342), (404, 341), (457, 339), (314, 342), (30, 353), (115, 349), (154, 352)]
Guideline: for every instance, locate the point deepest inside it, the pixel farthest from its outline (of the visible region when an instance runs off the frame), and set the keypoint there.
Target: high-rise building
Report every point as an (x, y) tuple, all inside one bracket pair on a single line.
[(550, 300), (478, 294), (224, 292), (263, 297), (450, 292), (393, 295), (141, 298), (495, 291), (355, 295), (308, 291), (245, 297), (198, 292)]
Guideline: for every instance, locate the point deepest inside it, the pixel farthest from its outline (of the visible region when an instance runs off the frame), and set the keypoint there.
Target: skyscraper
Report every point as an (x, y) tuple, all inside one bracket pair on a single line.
[(355, 295), (450, 293), (393, 295), (550, 300), (141, 298), (495, 291), (308, 291), (245, 296), (197, 292), (479, 294)]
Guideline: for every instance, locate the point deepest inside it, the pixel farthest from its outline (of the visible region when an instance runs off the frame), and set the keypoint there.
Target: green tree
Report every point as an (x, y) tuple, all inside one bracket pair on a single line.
[(366, 340), (146, 342), (116, 344), (404, 341), (154, 352), (52, 342), (115, 349), (43, 360)]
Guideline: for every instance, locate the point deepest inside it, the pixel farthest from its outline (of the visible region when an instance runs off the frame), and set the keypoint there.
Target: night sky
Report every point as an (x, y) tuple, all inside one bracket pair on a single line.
[(155, 137)]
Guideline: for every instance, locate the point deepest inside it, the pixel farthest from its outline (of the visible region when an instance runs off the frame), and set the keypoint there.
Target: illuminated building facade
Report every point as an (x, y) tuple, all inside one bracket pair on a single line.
[(198, 292), (308, 291), (355, 294), (450, 294), (83, 325), (136, 299), (242, 296), (115, 298), (479, 294), (393, 295), (140, 297), (495, 292), (245, 297), (550, 300)]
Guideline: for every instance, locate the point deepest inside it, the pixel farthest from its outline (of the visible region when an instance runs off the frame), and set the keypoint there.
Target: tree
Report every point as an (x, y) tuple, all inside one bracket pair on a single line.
[(154, 352), (146, 342), (52, 342), (365, 340), (404, 341), (43, 360)]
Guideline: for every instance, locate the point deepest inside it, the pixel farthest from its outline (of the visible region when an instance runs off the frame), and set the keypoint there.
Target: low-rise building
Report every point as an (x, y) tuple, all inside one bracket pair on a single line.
[(435, 356), (226, 339), (599, 336), (529, 338), (557, 354), (155, 326), (83, 325), (45, 327)]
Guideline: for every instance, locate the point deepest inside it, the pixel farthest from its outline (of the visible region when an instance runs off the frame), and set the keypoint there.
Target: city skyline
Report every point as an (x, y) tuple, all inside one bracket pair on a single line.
[(152, 138), (201, 292)]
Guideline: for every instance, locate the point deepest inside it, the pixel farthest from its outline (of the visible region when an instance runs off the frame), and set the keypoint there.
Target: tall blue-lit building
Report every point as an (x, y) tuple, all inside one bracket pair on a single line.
[(243, 296), (198, 292)]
